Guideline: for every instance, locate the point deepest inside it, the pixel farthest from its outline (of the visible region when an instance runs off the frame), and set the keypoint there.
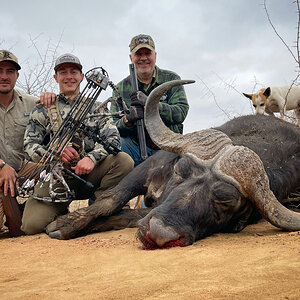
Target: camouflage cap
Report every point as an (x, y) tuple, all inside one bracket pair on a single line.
[(6, 55), (67, 58), (141, 41)]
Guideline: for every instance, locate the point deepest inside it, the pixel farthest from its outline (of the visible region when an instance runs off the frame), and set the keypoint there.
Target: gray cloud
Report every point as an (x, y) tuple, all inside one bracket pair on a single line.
[(221, 44)]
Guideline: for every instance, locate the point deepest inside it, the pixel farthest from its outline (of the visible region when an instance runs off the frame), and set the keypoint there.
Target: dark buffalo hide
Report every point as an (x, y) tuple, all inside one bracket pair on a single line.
[(188, 198)]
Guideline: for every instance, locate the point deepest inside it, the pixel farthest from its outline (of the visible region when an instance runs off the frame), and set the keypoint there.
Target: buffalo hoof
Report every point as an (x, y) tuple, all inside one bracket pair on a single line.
[(56, 235), (63, 228), (52, 232), (67, 226)]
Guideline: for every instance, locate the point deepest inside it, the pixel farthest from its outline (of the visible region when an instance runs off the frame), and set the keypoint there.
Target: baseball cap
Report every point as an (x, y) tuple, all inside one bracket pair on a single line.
[(141, 41), (67, 58), (6, 55)]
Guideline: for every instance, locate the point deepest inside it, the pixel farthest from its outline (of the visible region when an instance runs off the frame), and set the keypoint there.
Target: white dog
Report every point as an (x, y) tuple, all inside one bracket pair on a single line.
[(277, 99)]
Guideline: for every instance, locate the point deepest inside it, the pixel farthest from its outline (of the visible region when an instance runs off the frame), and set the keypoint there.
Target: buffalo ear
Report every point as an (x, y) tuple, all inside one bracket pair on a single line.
[(267, 92), (248, 96)]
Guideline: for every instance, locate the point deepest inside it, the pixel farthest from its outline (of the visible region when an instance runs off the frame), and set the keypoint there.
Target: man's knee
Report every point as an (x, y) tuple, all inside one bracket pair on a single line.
[(34, 223), (32, 226), (38, 214), (125, 162)]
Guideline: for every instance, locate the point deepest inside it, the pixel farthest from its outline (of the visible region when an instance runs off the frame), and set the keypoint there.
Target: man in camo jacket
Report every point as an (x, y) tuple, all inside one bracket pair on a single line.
[(95, 164), (173, 106)]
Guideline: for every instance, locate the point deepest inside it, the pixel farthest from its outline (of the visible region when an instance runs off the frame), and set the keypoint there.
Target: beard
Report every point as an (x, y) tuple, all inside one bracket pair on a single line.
[(144, 72), (6, 90)]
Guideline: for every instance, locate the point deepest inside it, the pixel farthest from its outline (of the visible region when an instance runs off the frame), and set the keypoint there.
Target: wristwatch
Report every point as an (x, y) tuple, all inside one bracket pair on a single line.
[(2, 164)]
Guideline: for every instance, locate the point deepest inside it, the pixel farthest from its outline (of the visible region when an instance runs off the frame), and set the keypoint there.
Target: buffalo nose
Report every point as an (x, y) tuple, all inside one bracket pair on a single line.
[(159, 233)]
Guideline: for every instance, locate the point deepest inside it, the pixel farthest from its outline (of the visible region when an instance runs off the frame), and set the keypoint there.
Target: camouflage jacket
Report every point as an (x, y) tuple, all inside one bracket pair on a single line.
[(173, 106), (39, 132)]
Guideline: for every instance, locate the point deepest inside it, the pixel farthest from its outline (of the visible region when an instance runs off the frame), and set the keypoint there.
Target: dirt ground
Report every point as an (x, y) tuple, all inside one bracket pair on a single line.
[(261, 262)]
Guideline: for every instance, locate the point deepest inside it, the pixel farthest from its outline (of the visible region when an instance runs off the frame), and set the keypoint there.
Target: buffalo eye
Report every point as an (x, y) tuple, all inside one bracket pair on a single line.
[(225, 194), (180, 173), (182, 169)]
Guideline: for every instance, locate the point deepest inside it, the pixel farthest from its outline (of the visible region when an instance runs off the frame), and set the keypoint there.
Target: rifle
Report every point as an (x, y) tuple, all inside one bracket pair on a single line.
[(140, 122), (13, 215)]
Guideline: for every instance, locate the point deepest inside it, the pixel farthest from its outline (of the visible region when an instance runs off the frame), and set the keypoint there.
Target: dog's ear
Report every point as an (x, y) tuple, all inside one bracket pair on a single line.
[(267, 92), (248, 96)]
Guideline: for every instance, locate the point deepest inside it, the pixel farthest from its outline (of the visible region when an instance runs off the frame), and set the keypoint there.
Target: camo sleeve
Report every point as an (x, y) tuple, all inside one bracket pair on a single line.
[(108, 137), (37, 129)]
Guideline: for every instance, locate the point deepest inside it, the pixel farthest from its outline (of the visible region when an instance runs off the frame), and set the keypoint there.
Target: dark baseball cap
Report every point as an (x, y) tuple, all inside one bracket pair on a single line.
[(6, 55), (67, 59), (141, 41)]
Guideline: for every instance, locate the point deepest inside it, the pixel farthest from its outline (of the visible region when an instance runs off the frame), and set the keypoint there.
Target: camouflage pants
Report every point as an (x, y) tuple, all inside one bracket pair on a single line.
[(107, 174)]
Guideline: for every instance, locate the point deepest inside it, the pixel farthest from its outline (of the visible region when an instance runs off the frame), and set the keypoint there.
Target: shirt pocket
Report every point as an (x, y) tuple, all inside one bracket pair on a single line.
[(21, 123), (19, 131)]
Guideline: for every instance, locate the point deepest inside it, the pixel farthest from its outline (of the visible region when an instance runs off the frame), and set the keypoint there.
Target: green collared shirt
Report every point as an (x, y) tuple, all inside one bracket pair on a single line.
[(13, 121), (173, 106)]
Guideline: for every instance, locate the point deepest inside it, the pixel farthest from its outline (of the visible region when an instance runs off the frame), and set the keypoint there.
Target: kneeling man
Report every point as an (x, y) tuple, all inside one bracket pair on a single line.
[(93, 163)]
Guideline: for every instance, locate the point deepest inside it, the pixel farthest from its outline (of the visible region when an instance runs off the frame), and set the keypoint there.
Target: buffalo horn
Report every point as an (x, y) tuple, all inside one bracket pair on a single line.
[(245, 166), (205, 144)]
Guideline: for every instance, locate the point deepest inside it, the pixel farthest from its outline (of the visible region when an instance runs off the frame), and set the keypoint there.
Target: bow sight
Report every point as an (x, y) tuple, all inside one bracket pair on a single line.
[(48, 171)]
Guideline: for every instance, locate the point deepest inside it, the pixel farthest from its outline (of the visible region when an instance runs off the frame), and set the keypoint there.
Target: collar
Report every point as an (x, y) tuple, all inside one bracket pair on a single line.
[(62, 97), (153, 80), (17, 95), (159, 76)]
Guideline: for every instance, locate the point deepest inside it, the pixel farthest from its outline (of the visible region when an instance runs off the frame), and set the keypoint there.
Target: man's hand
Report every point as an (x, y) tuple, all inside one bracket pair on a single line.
[(8, 177), (84, 166), (136, 108), (138, 98), (47, 99), (135, 113), (69, 154)]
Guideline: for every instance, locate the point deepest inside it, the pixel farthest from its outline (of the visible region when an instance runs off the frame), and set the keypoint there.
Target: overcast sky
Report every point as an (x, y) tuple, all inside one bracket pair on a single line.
[(227, 46)]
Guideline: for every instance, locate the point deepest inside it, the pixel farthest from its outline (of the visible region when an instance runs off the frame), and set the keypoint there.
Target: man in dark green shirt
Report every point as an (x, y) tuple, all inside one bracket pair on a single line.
[(173, 106)]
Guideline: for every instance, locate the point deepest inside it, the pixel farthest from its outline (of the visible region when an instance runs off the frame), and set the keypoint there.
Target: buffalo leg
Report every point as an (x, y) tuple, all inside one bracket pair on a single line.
[(110, 203), (127, 218)]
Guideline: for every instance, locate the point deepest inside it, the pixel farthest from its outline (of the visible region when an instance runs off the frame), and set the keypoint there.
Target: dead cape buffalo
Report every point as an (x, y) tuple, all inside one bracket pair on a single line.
[(215, 180)]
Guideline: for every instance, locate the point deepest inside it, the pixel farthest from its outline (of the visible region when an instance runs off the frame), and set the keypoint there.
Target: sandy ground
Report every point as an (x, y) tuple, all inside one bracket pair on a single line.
[(261, 262)]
